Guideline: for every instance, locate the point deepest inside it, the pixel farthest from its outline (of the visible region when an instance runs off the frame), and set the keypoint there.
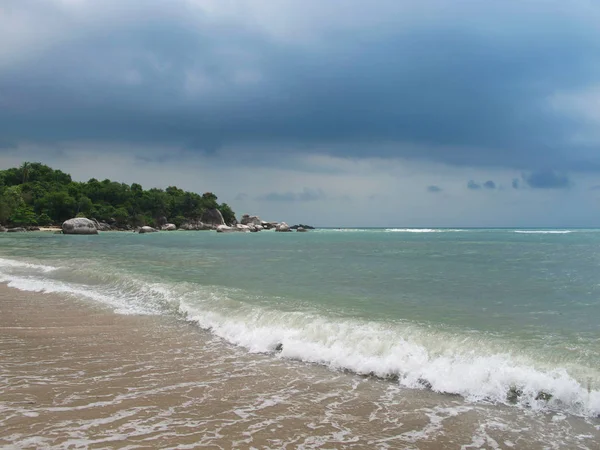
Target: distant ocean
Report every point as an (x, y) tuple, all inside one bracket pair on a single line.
[(501, 317)]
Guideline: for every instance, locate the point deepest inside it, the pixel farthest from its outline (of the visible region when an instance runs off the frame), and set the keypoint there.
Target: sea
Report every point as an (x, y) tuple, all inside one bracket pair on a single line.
[(499, 327)]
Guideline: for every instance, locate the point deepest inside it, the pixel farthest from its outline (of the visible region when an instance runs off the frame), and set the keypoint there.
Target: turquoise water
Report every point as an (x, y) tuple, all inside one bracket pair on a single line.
[(482, 313)]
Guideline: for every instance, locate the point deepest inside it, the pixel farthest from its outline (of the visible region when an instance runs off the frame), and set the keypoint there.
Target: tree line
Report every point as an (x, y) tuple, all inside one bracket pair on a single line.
[(35, 194)]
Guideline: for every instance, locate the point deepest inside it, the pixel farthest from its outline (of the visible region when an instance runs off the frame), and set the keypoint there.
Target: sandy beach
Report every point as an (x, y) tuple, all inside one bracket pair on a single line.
[(76, 375)]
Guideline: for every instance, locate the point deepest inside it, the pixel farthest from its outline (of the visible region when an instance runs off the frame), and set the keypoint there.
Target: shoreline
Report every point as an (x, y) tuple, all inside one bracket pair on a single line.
[(78, 374)]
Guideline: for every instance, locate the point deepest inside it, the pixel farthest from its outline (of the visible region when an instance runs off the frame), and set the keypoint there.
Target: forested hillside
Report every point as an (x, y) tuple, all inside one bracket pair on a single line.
[(35, 194)]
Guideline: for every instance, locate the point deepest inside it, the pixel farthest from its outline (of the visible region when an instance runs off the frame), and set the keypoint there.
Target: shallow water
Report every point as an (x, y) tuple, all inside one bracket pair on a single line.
[(79, 377), (507, 319)]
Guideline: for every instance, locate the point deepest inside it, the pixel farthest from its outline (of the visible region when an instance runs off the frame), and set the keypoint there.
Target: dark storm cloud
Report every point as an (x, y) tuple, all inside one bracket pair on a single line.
[(306, 195), (547, 179), (434, 189), (489, 184), (463, 95), (473, 185)]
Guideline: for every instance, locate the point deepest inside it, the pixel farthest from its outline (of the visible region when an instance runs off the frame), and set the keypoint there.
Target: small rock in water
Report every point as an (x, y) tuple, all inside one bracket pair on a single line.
[(543, 396), (147, 229), (423, 382), (279, 347), (513, 395)]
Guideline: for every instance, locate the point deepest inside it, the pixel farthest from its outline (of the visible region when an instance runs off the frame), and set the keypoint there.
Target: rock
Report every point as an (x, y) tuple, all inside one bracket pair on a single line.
[(2, 229), (169, 227), (267, 225), (242, 228), (16, 230), (79, 225), (147, 229), (212, 217), (225, 229), (33, 228), (282, 227), (301, 230), (306, 227), (101, 226), (195, 225), (251, 220), (161, 221)]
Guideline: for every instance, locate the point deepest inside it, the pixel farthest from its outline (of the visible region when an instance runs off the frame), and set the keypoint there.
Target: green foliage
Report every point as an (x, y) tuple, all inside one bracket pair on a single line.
[(23, 215), (44, 219), (227, 213), (37, 194)]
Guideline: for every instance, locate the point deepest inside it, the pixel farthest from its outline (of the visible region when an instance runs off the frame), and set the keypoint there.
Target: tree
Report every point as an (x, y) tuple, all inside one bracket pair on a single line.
[(22, 216), (36, 193), (227, 213)]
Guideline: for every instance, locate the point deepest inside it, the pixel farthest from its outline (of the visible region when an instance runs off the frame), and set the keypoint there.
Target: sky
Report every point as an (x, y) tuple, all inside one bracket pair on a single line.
[(331, 113)]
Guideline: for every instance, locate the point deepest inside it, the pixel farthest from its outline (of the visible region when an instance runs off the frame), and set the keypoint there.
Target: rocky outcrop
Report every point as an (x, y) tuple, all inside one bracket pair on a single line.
[(169, 227), (79, 225), (268, 225), (243, 228), (147, 229), (306, 227), (251, 220), (225, 229), (212, 217), (282, 227), (16, 230), (101, 226), (195, 225), (301, 230), (2, 229)]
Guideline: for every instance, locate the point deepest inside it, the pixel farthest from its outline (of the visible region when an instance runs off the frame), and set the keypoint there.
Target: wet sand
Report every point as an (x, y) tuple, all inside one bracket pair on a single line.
[(76, 375)]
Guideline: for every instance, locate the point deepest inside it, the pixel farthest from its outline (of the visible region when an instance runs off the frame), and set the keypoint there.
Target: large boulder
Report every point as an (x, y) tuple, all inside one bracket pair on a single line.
[(225, 229), (169, 227), (251, 220), (282, 227), (243, 228), (147, 229), (212, 217), (2, 229), (79, 225)]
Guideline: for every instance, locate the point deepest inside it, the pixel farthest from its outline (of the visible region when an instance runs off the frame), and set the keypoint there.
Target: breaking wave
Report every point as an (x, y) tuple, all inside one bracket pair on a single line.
[(414, 356)]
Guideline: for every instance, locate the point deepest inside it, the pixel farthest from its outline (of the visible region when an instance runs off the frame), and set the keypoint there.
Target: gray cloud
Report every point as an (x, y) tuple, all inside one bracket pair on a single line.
[(547, 179), (473, 185), (209, 79), (306, 195), (489, 184), (434, 189)]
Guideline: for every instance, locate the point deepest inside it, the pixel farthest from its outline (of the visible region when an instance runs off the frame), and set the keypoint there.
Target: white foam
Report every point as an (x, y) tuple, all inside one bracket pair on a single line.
[(416, 356), (421, 230), (379, 349), (543, 231), (10, 264)]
